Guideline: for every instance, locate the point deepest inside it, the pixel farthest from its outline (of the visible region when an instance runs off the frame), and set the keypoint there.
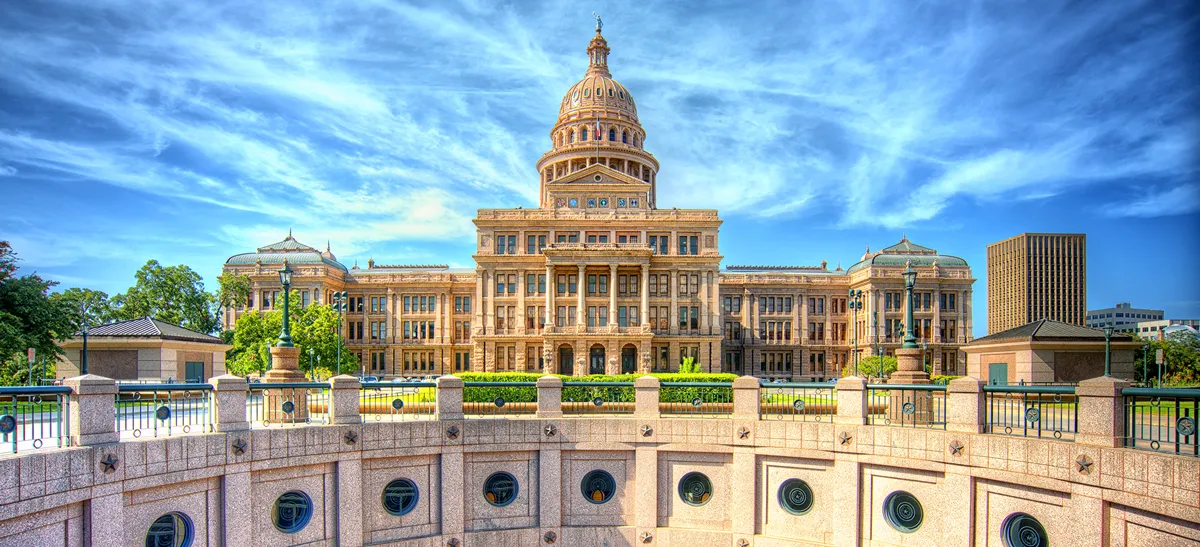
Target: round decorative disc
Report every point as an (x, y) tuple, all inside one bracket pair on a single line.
[(397, 404), (163, 413), (903, 512), (597, 401), (288, 407), (795, 496), (1186, 426), (499, 402), (1033, 415), (909, 408), (1022, 530), (697, 402), (798, 404), (8, 424)]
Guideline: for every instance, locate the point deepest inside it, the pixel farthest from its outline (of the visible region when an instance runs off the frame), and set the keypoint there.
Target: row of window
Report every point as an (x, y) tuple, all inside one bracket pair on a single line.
[(588, 131), (506, 243)]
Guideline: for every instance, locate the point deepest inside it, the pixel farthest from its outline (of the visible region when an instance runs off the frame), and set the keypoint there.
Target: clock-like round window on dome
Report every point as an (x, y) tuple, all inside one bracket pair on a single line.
[(604, 202), (574, 202), (903, 512), (591, 202), (633, 202), (620, 202)]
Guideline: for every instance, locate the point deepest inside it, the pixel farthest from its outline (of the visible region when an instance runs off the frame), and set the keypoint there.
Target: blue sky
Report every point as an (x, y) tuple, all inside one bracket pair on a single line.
[(191, 131)]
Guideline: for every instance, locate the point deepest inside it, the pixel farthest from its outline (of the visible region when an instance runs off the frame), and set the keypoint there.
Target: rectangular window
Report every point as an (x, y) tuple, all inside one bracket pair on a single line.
[(530, 284), (604, 284), (622, 284), (591, 284), (692, 240), (683, 317), (695, 318), (407, 301), (683, 246), (634, 288), (653, 285), (562, 284), (603, 316), (541, 283), (572, 284), (591, 316)]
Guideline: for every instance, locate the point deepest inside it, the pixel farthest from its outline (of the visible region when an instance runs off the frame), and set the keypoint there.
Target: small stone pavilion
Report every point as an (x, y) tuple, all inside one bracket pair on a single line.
[(1047, 351), (146, 349)]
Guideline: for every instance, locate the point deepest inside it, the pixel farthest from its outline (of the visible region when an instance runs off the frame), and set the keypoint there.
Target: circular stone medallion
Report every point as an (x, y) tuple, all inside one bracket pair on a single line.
[(795, 496), (1186, 426), (163, 413), (397, 404), (1022, 530), (903, 512)]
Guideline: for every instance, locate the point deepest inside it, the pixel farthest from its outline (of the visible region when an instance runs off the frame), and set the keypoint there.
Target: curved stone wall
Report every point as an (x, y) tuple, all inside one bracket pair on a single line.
[(966, 485)]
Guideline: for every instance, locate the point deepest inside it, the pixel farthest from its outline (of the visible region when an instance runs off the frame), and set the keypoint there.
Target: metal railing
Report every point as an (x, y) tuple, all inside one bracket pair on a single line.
[(394, 401), (598, 398), (796, 401), (1162, 420), (1031, 411), (695, 399), (499, 398), (163, 409), (287, 403), (907, 405), (32, 415)]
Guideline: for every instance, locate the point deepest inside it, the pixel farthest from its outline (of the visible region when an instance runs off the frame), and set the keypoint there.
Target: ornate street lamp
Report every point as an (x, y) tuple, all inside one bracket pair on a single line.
[(924, 355), (285, 336), (910, 279), (855, 305), (1108, 332), (340, 299), (311, 371)]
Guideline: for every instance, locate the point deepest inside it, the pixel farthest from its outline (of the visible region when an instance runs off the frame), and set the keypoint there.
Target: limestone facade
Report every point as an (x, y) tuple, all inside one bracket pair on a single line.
[(599, 278)]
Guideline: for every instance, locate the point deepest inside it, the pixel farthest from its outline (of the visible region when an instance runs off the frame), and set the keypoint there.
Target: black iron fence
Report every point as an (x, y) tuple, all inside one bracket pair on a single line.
[(162, 410), (907, 405), (287, 404), (395, 401), (33, 416), (598, 398), (695, 399), (1032, 410), (809, 402), (1162, 420)]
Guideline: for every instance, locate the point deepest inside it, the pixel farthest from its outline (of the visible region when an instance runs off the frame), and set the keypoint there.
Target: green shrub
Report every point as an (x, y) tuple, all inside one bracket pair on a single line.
[(943, 380), (608, 393)]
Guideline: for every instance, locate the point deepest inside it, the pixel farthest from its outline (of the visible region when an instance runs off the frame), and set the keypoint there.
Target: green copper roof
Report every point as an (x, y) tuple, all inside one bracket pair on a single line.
[(906, 252), (290, 249)]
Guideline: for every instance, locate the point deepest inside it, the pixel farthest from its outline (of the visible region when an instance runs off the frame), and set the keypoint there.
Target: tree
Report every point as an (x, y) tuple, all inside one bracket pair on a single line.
[(1181, 359), (234, 290), (29, 318), (314, 326), (174, 294), (689, 365), (869, 366), (75, 300)]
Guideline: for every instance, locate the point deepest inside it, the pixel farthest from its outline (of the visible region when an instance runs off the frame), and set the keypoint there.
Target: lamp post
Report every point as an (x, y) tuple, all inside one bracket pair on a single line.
[(285, 278), (340, 299), (910, 279), (1145, 364), (875, 330), (855, 305), (311, 371), (1108, 332), (83, 329), (924, 355)]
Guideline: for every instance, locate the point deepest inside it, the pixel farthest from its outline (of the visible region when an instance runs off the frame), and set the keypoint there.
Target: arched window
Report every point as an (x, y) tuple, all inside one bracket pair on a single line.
[(610, 92), (612, 135), (583, 134), (624, 137), (570, 137), (635, 142)]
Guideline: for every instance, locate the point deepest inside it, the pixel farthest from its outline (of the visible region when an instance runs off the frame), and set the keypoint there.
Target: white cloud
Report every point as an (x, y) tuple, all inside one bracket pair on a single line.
[(1178, 200)]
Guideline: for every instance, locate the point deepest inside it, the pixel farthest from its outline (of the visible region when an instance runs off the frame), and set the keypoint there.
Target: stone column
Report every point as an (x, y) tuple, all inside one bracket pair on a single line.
[(549, 397), (489, 297), (646, 488), (612, 295), (391, 316), (804, 320), (645, 282), (229, 403), (852, 401), (846, 522), (965, 405), (350, 503), (92, 415), (580, 305), (673, 326), (646, 397), (106, 514), (1101, 413), (746, 398), (936, 327), (550, 288), (743, 490), (449, 398), (522, 287), (704, 302), (285, 369), (344, 400), (237, 497)]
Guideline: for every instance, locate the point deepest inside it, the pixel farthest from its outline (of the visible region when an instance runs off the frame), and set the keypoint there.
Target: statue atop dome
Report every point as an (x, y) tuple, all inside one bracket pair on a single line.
[(599, 23)]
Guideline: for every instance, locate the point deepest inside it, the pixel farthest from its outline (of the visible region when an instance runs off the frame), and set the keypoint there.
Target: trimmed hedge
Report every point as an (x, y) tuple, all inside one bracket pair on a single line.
[(528, 394)]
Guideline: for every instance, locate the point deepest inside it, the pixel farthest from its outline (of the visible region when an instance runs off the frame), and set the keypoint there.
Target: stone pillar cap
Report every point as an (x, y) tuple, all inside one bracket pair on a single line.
[(344, 381), (1103, 386), (966, 384), (449, 381), (229, 382), (851, 383), (646, 381), (746, 382), (91, 384), (549, 380)]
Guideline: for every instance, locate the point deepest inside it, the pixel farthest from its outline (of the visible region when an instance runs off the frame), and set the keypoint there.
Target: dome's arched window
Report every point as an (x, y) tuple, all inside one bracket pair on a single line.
[(610, 92), (586, 93), (570, 137), (624, 137), (599, 91), (612, 135), (583, 134)]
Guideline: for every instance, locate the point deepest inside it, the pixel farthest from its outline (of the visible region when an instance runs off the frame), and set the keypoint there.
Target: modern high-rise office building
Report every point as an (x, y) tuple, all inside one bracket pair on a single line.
[(1036, 276)]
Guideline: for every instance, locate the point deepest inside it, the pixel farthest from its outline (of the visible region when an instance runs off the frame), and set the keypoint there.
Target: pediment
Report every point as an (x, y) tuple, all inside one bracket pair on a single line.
[(598, 174)]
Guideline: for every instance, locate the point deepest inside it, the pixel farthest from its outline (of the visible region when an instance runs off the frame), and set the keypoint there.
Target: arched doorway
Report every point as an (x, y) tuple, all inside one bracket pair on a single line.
[(566, 360), (596, 360), (628, 359)]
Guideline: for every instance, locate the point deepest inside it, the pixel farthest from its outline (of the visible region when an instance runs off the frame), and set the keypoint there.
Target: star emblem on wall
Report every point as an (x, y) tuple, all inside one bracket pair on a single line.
[(109, 463), (956, 448), (1084, 464), (646, 537), (239, 447), (350, 437), (452, 433), (550, 431), (453, 542), (743, 433), (845, 438), (549, 537), (647, 430), (743, 543)]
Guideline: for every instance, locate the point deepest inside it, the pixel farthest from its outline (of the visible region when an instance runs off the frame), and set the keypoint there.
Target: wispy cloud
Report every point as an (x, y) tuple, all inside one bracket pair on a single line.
[(1179, 200)]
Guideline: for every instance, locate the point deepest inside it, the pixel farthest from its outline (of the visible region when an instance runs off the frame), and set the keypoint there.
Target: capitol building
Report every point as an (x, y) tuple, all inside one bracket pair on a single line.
[(601, 278)]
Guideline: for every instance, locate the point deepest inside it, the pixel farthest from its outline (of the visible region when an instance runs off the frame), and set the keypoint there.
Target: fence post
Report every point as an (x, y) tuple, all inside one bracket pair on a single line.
[(229, 403), (646, 397), (549, 397), (1101, 412), (93, 413), (344, 394), (449, 398), (746, 399), (965, 405), (852, 401)]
